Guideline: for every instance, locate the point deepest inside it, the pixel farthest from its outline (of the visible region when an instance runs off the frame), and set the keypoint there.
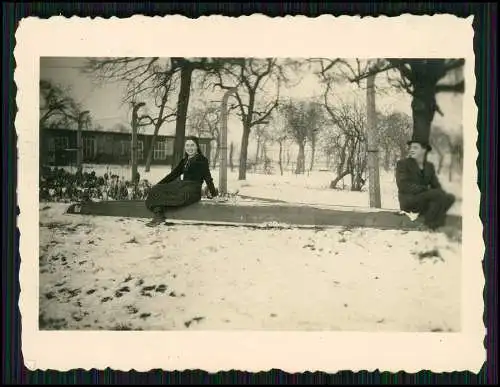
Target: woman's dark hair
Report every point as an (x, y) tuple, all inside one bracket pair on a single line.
[(197, 142)]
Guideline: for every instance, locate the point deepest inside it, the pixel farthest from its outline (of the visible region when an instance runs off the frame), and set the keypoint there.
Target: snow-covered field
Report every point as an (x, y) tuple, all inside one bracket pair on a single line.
[(115, 274)]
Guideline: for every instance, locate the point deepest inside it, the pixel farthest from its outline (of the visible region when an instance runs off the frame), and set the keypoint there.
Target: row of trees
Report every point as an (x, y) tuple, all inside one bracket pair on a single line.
[(163, 87), (59, 109), (335, 130), (170, 82)]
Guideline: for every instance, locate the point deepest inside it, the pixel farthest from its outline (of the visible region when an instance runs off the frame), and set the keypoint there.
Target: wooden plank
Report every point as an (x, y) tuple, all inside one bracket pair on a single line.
[(257, 214)]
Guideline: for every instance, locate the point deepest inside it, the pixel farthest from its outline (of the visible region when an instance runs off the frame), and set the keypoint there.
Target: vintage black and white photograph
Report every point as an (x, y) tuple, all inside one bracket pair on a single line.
[(251, 193)]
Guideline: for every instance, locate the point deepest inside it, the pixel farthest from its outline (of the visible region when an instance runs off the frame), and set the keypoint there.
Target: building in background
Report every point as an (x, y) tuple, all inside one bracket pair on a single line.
[(110, 147)]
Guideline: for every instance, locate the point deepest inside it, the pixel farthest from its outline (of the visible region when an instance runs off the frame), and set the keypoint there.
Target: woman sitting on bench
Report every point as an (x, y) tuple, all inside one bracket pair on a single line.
[(182, 186)]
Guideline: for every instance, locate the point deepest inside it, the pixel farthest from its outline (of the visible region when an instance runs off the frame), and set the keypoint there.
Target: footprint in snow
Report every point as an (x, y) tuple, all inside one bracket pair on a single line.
[(132, 309), (49, 296), (188, 323), (148, 288), (161, 288), (129, 278)]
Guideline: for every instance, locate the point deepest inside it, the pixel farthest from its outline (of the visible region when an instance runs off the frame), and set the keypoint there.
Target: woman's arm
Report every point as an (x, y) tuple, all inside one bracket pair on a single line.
[(176, 172), (207, 177)]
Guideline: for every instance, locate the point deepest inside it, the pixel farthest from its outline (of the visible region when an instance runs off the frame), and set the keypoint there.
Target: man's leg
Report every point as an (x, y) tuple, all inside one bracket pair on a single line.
[(449, 201), (438, 204)]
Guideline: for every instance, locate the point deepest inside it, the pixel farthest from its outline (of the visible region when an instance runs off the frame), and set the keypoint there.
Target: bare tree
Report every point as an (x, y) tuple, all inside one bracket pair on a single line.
[(441, 144), (161, 97), (262, 136), (303, 120), (347, 142), (394, 131), (423, 79), (56, 105), (144, 79), (312, 135), (445, 143), (144, 75), (231, 154), (206, 120), (278, 134), (251, 78), (457, 154), (344, 139)]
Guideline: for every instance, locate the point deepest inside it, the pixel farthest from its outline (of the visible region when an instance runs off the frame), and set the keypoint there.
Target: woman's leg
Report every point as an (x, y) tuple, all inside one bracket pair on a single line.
[(158, 216), (176, 194)]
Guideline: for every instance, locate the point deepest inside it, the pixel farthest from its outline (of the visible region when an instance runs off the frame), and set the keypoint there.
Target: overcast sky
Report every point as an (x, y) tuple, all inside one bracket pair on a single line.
[(105, 102)]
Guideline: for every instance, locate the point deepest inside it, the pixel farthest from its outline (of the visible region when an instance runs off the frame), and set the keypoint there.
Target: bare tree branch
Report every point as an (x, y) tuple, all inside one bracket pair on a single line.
[(456, 88)]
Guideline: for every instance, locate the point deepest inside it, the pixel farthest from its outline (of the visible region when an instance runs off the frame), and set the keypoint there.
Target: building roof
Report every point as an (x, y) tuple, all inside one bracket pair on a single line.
[(126, 129)]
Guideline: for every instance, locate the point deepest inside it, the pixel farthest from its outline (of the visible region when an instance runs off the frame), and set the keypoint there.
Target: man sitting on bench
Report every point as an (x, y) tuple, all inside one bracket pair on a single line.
[(419, 188)]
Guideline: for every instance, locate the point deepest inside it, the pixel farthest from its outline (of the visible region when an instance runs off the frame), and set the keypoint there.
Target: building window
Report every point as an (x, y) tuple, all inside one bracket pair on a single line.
[(51, 154), (140, 150), (61, 142), (52, 145), (89, 147), (125, 147), (160, 150), (203, 148), (170, 147)]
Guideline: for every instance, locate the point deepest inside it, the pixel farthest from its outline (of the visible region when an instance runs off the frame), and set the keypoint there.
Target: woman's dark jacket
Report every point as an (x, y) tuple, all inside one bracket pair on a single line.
[(195, 169)]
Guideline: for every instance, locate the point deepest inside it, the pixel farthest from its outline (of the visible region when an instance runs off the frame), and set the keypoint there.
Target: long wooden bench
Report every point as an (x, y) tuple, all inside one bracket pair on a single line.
[(260, 213)]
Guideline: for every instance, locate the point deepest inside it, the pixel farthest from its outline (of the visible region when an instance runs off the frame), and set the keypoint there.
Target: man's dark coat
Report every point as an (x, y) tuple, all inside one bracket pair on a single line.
[(412, 181)]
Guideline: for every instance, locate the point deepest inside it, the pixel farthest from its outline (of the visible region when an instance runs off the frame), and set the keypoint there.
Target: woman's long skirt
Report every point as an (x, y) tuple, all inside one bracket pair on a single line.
[(177, 193)]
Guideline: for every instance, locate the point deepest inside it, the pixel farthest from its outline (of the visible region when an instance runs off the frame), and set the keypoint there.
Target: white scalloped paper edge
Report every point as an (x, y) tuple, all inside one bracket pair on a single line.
[(256, 35)]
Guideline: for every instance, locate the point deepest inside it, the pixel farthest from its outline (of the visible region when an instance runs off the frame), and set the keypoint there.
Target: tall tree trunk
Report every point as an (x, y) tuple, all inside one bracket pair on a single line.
[(182, 108), (423, 107), (257, 152), (217, 153), (231, 151), (440, 162), (357, 183), (313, 154), (300, 168), (149, 158), (281, 157), (247, 126), (452, 163), (340, 176), (242, 173), (159, 123), (342, 170), (387, 159)]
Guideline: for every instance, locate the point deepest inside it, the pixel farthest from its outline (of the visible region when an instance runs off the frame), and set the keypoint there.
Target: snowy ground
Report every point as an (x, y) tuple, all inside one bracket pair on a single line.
[(113, 273)]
